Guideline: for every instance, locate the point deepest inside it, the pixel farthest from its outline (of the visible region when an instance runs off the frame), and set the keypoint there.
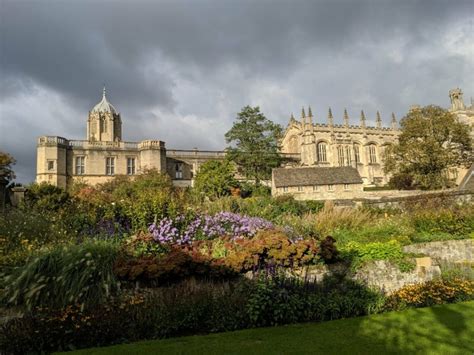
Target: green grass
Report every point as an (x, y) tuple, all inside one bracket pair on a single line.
[(447, 329)]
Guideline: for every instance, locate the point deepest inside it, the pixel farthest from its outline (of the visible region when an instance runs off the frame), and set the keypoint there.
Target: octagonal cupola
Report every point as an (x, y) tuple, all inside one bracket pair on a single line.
[(104, 123)]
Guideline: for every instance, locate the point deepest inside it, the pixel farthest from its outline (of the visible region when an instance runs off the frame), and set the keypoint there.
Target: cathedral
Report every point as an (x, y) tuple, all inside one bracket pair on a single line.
[(306, 143)]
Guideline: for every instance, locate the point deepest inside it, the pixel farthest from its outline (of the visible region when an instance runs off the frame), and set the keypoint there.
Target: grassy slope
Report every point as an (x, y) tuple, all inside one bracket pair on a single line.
[(444, 329)]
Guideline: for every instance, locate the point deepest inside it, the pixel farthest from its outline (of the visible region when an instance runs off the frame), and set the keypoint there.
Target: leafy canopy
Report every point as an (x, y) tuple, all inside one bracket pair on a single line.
[(6, 171), (254, 143), (215, 178), (432, 142)]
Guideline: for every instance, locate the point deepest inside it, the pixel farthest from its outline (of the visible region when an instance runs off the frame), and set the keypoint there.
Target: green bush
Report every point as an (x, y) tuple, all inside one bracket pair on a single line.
[(391, 251), (189, 308), (75, 274), (23, 232)]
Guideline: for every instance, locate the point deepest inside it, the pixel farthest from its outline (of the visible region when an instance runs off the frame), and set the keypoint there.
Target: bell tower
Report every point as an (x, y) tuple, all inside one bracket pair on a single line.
[(104, 123)]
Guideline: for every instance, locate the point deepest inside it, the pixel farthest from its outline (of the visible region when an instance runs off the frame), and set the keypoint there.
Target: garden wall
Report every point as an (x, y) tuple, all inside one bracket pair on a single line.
[(449, 250), (386, 276)]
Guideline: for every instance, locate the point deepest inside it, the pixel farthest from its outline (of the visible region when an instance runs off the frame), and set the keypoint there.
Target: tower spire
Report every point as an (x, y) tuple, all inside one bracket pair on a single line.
[(346, 118), (362, 119), (330, 117), (310, 113), (394, 122), (378, 120)]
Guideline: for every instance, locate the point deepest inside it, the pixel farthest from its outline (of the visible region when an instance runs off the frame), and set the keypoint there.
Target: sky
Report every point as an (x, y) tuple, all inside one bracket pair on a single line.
[(180, 71)]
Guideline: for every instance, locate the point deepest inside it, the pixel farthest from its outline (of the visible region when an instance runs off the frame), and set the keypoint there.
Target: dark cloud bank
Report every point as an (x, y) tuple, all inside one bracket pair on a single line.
[(180, 70)]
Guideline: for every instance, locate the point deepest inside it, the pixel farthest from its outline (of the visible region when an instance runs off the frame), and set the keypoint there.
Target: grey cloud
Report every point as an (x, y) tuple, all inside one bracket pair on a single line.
[(170, 63)]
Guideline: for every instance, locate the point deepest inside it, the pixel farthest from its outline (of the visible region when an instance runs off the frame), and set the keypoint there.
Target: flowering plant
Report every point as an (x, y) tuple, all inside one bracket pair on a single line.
[(183, 229)]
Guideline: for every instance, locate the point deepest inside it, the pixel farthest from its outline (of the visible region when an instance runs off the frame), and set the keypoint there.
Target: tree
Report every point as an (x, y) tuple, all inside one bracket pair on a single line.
[(432, 142), (254, 144), (6, 171), (215, 178)]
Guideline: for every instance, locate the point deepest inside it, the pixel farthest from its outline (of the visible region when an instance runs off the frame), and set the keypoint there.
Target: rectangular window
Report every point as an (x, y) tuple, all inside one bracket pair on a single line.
[(109, 166), (330, 187), (130, 166), (347, 187), (178, 170), (300, 188), (80, 168), (285, 188), (50, 165), (315, 188)]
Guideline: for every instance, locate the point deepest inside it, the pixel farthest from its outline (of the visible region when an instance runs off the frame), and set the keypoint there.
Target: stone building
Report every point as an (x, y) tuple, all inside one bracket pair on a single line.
[(336, 145), (306, 143), (327, 144), (317, 183), (104, 154)]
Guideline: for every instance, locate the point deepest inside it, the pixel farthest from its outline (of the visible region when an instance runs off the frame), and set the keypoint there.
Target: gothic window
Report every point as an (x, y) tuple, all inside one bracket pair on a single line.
[(109, 166), (372, 154), (357, 153), (293, 145), (80, 167), (348, 156), (340, 156), (322, 156), (178, 167), (130, 166), (102, 128)]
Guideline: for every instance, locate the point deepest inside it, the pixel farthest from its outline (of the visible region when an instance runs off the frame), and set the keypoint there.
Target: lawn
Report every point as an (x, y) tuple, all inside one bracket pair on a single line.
[(447, 329)]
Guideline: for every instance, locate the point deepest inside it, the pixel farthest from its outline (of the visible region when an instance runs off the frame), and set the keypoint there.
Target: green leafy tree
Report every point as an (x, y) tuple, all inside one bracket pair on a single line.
[(215, 178), (432, 142), (6, 171), (254, 143)]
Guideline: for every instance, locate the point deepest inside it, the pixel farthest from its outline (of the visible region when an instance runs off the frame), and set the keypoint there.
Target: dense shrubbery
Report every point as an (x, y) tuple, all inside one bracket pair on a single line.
[(64, 256), (190, 308)]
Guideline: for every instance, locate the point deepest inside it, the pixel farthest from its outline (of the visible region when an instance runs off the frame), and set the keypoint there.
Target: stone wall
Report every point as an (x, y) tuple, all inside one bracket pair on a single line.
[(387, 277), (447, 251)]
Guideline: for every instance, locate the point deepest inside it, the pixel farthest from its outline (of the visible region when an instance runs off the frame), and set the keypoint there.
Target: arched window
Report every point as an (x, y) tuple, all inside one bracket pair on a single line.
[(293, 145), (348, 156), (340, 155), (372, 154), (357, 153), (322, 156)]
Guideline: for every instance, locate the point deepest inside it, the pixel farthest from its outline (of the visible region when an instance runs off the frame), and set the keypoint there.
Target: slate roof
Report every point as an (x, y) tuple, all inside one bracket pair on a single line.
[(306, 176)]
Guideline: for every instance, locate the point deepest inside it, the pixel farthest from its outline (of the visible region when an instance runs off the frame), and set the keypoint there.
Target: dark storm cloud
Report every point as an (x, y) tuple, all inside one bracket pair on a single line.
[(171, 64)]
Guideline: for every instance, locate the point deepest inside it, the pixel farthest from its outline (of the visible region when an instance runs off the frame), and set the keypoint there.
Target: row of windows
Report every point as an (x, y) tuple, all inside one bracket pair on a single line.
[(316, 188), (344, 154), (80, 166)]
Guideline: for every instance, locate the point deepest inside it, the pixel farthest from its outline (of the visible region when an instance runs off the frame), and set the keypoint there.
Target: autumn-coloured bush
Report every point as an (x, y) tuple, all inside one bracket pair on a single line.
[(218, 258), (433, 292)]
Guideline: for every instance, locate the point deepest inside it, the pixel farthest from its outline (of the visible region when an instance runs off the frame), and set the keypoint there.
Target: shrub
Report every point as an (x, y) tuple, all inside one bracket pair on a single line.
[(223, 257), (392, 251), (75, 274), (188, 308), (215, 179), (433, 292)]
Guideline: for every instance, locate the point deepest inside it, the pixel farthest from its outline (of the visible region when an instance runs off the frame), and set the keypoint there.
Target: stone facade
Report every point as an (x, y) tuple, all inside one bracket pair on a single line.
[(318, 144), (104, 154)]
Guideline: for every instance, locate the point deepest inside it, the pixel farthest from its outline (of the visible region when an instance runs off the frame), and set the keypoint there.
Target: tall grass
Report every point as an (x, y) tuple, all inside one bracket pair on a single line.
[(75, 274)]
